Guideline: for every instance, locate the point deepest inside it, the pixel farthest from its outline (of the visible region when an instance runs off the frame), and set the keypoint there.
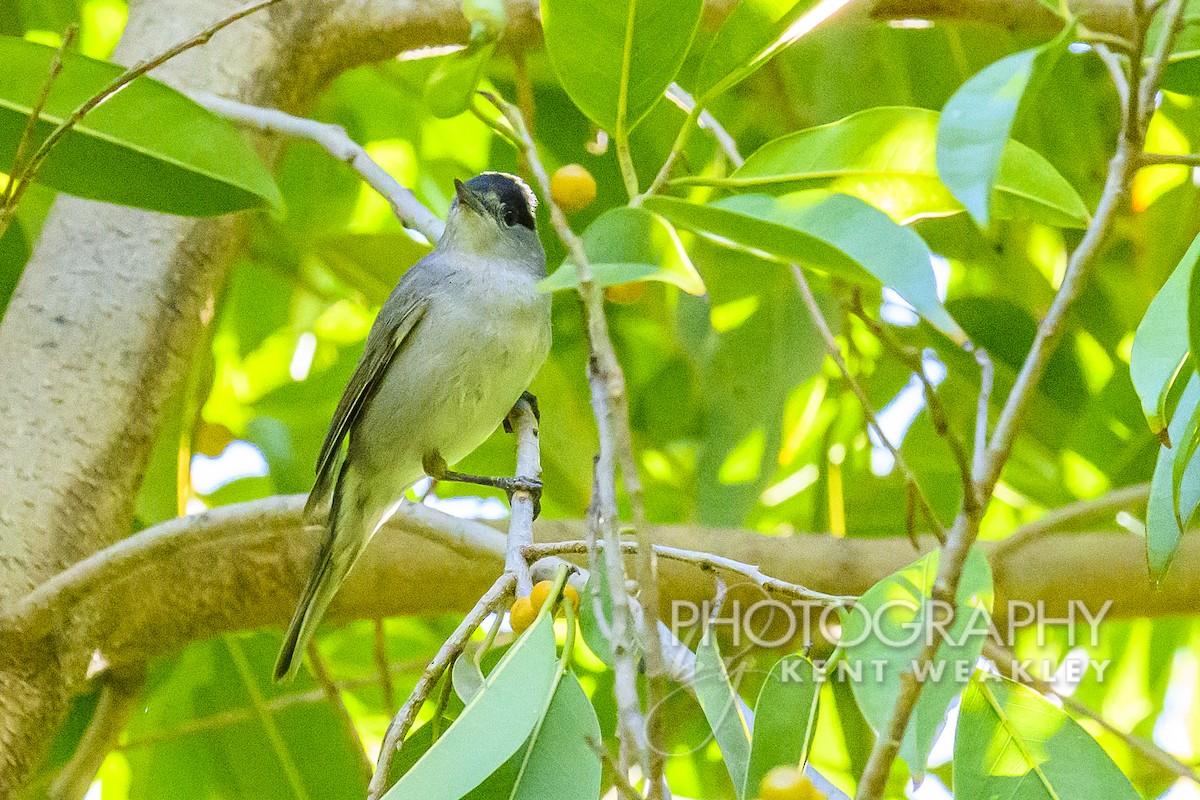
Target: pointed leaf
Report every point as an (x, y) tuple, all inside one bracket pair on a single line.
[(615, 59), (723, 710), (785, 717), (1161, 343), (1012, 743), (752, 34), (558, 761), (148, 146), (1169, 509), (890, 627), (887, 157), (833, 233), (451, 88), (493, 726), (631, 244), (977, 121)]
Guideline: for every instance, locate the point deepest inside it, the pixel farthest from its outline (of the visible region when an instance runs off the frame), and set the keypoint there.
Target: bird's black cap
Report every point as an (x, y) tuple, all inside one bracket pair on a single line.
[(507, 196)]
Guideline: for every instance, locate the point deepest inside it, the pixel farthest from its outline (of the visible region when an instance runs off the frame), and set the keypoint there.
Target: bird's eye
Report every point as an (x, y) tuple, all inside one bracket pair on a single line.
[(508, 214)]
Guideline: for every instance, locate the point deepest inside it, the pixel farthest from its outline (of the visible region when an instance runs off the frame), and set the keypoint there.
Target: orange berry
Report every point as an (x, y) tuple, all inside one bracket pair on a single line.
[(522, 614), (787, 783), (572, 595), (573, 188), (540, 594), (625, 293)]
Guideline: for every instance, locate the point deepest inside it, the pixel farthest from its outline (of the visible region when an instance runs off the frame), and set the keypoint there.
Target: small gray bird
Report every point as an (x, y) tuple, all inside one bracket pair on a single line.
[(454, 347)]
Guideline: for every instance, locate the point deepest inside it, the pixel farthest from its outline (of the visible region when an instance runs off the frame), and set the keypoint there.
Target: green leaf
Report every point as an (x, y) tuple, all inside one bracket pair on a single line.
[(1170, 508), (467, 676), (451, 88), (251, 745), (833, 233), (631, 244), (493, 726), (1012, 743), (1182, 73), (602, 52), (752, 34), (148, 146), (558, 761), (977, 121), (890, 626), (723, 710), (1161, 343), (1184, 450), (603, 275), (887, 157), (14, 252), (785, 717)]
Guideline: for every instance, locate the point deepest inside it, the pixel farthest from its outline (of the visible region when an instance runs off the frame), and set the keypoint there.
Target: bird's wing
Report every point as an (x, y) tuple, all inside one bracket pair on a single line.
[(386, 339)]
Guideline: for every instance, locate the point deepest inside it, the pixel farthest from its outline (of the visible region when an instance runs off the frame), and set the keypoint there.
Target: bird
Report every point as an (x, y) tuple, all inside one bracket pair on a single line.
[(454, 347)]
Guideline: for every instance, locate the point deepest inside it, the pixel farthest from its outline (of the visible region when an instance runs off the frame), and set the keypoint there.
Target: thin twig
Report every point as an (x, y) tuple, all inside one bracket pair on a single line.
[(835, 353), (333, 695), (337, 142), (450, 650), (1117, 72), (681, 140), (8, 205), (386, 687), (1156, 159), (987, 376), (611, 409), (704, 561), (29, 173), (707, 121), (1116, 500), (938, 415)]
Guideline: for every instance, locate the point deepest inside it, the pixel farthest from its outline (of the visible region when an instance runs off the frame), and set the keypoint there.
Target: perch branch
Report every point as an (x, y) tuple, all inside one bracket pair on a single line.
[(611, 409), (338, 143), (524, 425)]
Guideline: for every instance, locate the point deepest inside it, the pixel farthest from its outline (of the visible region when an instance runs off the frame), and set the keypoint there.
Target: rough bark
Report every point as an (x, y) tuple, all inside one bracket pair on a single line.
[(240, 567)]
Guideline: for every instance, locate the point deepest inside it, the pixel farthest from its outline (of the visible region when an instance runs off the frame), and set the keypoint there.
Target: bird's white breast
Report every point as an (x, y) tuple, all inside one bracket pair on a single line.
[(479, 345)]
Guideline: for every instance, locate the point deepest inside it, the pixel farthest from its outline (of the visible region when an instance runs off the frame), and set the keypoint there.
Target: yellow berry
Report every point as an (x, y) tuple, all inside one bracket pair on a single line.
[(573, 188), (625, 293), (572, 595), (540, 594), (522, 614), (787, 783)]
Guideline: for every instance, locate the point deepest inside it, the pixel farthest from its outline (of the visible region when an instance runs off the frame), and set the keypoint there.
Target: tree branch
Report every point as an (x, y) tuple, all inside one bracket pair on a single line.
[(338, 143), (524, 425), (393, 740)]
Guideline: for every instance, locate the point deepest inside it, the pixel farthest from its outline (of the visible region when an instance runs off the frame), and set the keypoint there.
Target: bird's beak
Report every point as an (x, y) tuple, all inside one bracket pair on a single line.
[(468, 198)]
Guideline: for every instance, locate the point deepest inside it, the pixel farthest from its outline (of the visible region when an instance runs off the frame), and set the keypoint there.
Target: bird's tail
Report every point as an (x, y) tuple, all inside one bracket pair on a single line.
[(345, 537)]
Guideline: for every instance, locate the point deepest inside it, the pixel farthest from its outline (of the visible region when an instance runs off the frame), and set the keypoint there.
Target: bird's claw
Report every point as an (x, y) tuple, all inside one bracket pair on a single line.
[(531, 399), (532, 486)]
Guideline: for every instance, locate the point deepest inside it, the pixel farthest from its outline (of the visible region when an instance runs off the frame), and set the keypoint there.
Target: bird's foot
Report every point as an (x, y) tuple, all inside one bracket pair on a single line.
[(435, 468), (531, 399)]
